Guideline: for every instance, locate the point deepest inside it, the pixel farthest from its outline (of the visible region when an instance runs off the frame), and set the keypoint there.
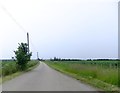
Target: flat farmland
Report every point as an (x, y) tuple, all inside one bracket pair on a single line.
[(102, 74)]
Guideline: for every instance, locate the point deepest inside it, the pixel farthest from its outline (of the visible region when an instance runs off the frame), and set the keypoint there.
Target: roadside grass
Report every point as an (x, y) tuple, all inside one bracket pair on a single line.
[(0, 71), (9, 70), (0, 68), (100, 77)]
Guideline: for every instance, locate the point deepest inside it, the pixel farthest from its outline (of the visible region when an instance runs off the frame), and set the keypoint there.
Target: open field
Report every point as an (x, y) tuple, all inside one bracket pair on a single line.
[(102, 74)]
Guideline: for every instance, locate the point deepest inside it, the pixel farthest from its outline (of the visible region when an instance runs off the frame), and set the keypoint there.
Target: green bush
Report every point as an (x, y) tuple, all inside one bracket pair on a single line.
[(22, 55)]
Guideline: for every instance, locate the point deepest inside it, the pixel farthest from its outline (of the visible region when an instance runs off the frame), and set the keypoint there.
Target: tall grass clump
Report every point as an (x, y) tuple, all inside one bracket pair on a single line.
[(9, 68), (0, 68), (12, 67)]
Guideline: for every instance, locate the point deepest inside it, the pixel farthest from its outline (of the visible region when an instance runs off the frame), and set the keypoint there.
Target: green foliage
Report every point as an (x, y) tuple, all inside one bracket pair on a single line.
[(11, 67), (22, 56), (87, 70), (0, 68), (32, 63), (10, 70)]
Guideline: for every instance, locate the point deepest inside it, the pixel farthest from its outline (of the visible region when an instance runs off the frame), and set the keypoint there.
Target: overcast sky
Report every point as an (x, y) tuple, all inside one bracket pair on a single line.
[(61, 28)]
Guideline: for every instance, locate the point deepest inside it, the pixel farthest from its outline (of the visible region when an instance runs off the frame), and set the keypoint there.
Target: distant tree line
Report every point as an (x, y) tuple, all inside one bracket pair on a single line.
[(62, 59)]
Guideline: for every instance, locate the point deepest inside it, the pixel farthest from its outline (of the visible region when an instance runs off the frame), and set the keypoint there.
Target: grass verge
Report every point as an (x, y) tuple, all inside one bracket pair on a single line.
[(18, 73), (86, 78)]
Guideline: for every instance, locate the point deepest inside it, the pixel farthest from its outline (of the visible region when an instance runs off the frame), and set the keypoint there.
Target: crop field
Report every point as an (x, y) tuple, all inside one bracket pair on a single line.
[(104, 71)]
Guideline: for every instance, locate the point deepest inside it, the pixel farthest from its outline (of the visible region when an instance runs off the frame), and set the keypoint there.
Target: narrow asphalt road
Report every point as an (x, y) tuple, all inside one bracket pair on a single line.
[(44, 78)]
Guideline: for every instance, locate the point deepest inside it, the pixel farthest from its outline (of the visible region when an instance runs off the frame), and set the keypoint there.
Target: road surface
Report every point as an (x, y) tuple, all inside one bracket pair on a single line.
[(44, 78)]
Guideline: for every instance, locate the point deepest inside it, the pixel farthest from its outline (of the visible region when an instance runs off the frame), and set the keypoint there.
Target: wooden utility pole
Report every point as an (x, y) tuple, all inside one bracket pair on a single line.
[(28, 41), (37, 55)]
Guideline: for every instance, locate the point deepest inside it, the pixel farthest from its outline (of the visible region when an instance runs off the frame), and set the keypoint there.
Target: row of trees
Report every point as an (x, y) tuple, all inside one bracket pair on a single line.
[(60, 59)]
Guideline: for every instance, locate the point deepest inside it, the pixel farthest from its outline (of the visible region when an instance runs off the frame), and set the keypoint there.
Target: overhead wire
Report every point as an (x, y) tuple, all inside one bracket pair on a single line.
[(19, 25), (11, 16)]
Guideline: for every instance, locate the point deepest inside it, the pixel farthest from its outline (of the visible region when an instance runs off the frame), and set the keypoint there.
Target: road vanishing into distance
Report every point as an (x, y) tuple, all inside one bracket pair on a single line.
[(44, 78)]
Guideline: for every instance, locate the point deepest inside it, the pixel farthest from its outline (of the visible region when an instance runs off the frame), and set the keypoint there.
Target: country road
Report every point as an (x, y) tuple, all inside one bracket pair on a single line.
[(44, 78)]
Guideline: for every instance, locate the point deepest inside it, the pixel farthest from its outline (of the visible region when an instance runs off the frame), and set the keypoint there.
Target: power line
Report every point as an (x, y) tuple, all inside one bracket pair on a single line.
[(11, 16), (28, 42), (20, 26)]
